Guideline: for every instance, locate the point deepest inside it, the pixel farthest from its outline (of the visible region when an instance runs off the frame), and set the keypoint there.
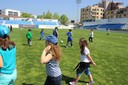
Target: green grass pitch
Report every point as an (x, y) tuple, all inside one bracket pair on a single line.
[(110, 53)]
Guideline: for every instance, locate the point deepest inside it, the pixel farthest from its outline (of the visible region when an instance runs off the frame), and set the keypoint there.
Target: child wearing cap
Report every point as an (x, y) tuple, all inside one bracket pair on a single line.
[(8, 72), (29, 37), (85, 61), (51, 56)]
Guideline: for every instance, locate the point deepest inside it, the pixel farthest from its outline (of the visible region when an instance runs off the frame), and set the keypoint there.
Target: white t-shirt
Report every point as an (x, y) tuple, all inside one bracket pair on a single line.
[(92, 34), (83, 57)]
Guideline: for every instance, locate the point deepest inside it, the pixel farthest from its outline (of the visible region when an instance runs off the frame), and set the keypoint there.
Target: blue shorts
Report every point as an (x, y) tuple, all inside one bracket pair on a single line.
[(86, 71), (69, 39), (8, 79)]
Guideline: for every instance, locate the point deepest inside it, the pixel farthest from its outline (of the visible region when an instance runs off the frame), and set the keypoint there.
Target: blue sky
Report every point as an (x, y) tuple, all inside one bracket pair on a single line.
[(67, 7)]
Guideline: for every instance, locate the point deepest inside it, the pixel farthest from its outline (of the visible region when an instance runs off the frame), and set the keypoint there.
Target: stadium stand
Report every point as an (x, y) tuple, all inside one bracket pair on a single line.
[(112, 26), (44, 23), (106, 26), (31, 23), (91, 26), (17, 22), (1, 21)]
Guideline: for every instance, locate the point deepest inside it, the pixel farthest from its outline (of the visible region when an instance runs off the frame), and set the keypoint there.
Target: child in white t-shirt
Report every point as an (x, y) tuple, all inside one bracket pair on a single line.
[(85, 61), (91, 36)]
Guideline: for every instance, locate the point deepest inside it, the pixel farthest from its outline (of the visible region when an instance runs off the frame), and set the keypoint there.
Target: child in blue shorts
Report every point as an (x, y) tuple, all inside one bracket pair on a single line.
[(85, 61), (69, 39), (42, 34)]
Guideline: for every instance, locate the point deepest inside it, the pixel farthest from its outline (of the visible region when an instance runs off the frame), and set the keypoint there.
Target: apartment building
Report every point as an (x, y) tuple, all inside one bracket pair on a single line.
[(10, 12), (91, 12), (113, 10), (122, 13), (104, 10)]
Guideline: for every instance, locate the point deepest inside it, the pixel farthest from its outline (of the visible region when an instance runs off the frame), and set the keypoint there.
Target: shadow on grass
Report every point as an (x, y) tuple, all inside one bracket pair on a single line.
[(83, 81), (68, 79), (26, 84), (25, 44), (62, 46)]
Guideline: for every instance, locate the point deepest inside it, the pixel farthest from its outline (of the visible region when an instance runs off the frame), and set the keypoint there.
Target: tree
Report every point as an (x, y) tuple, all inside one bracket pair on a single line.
[(43, 15), (56, 16), (48, 15), (63, 19), (26, 15), (40, 16)]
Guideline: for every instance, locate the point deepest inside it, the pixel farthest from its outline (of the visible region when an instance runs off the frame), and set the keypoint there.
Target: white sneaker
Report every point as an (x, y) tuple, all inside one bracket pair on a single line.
[(66, 46), (90, 83), (73, 83)]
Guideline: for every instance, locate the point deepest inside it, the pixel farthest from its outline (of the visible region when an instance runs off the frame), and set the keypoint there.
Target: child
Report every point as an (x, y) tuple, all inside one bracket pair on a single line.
[(51, 56), (55, 32), (69, 34), (91, 36), (108, 31), (85, 61), (29, 37), (8, 72), (11, 28), (42, 34)]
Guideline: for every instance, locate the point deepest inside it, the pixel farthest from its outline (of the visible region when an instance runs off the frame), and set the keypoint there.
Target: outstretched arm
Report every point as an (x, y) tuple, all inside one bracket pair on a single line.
[(90, 58), (1, 62)]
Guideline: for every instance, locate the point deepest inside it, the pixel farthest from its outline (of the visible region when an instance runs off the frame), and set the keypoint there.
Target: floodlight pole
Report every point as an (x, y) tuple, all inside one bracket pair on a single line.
[(78, 2), (78, 13)]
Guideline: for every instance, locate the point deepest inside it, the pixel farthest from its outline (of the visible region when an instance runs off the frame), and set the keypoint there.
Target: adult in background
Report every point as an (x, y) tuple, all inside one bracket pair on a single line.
[(85, 61), (42, 34), (51, 56), (29, 37), (55, 32), (91, 36), (69, 39), (8, 72)]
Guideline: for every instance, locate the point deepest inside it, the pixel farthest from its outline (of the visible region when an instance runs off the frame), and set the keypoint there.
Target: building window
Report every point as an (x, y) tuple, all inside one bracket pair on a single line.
[(93, 17), (124, 10), (16, 14), (93, 9), (124, 15), (93, 13), (0, 12), (112, 12), (10, 13)]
